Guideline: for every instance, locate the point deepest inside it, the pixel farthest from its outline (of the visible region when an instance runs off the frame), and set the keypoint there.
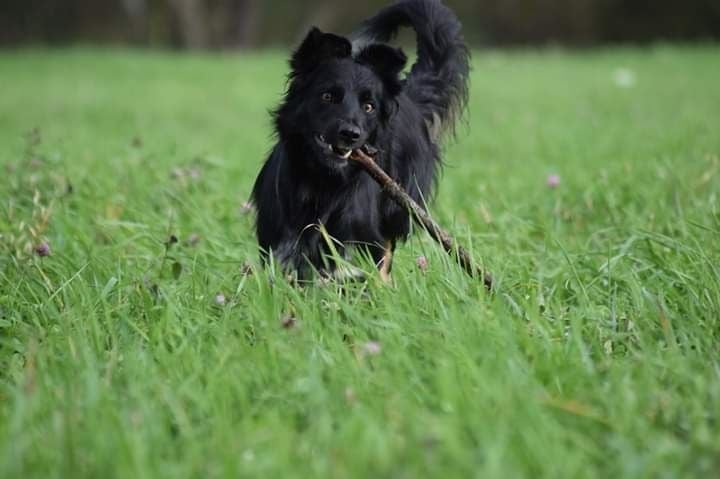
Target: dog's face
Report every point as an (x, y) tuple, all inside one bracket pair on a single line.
[(338, 102), (343, 107)]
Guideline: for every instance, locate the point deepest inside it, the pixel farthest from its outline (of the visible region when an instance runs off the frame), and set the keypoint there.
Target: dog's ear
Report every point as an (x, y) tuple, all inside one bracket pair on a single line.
[(387, 62), (316, 47)]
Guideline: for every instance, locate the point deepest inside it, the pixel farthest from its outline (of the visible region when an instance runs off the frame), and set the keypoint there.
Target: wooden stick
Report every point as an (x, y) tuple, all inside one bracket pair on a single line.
[(421, 216)]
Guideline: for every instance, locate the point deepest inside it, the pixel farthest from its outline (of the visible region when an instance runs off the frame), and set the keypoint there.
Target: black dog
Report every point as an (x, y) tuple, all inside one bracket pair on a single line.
[(311, 199)]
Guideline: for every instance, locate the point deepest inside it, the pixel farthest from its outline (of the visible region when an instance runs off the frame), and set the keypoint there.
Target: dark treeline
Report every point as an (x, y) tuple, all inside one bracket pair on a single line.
[(211, 24)]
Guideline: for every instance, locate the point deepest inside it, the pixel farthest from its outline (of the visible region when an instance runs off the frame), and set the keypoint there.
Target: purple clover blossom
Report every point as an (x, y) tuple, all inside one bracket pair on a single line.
[(43, 250), (553, 181), (422, 263), (288, 322), (372, 348)]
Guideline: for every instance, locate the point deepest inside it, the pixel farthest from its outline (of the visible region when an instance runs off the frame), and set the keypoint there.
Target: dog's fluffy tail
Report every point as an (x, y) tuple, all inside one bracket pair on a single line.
[(438, 81)]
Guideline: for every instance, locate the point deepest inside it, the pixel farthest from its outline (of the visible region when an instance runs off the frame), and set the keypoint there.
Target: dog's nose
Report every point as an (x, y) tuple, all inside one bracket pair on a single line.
[(349, 134)]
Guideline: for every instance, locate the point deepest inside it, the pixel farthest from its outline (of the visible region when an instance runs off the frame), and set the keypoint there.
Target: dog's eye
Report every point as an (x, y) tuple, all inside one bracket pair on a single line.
[(327, 97), (369, 107)]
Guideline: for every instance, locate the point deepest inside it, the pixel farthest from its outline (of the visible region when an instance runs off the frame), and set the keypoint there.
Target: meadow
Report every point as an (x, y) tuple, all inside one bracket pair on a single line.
[(139, 338)]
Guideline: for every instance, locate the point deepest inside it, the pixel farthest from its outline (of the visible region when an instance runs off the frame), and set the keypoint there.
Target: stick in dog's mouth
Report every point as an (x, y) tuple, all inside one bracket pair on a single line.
[(365, 157)]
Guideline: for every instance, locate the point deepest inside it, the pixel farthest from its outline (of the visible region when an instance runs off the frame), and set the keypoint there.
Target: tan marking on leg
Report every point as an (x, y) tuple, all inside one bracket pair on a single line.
[(386, 263)]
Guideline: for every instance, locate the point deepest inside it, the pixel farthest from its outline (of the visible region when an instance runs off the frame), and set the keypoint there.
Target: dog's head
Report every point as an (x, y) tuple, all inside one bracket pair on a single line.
[(338, 100)]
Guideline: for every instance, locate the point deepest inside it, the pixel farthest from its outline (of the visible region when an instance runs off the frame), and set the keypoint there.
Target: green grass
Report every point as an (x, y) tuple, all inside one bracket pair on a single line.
[(597, 357)]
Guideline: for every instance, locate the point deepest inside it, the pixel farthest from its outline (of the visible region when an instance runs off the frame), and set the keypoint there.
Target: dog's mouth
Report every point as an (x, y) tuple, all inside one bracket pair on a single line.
[(334, 150)]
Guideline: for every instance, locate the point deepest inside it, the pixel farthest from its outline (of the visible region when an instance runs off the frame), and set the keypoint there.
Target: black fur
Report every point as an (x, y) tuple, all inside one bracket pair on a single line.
[(342, 95)]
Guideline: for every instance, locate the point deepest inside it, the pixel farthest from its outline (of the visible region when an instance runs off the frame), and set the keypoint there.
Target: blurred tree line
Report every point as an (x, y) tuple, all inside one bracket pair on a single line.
[(211, 24)]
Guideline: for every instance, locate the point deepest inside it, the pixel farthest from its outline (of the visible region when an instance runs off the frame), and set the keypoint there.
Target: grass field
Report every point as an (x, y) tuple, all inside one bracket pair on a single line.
[(125, 355)]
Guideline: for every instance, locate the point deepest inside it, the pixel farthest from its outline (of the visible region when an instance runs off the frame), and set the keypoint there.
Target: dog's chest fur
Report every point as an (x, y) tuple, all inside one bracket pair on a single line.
[(346, 215), (349, 212)]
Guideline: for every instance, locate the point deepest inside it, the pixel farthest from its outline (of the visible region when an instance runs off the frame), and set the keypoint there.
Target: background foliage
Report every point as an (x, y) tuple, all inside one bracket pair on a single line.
[(246, 23)]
